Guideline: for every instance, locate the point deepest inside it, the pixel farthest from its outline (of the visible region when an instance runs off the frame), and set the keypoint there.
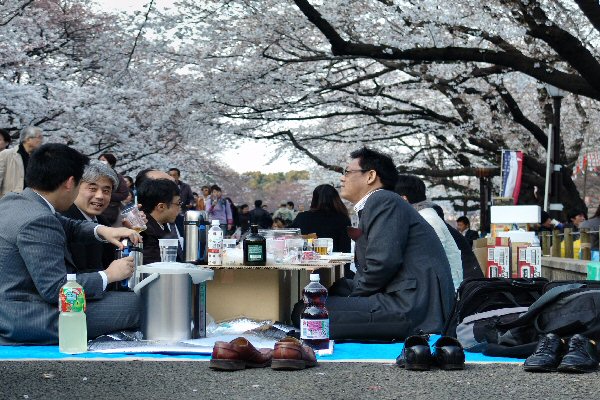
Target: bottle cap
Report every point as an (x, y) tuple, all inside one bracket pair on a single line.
[(215, 222), (314, 277), (71, 277)]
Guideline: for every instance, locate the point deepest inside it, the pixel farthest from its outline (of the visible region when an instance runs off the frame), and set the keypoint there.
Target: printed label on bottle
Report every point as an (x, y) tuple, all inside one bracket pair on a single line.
[(314, 328), (71, 300), (255, 252)]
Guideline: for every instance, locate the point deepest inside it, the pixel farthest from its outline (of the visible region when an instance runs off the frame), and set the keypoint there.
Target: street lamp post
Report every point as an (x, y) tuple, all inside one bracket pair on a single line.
[(485, 175), (555, 207)]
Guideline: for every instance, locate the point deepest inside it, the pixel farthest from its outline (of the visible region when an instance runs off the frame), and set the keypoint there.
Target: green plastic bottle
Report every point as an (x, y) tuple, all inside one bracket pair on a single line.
[(72, 323)]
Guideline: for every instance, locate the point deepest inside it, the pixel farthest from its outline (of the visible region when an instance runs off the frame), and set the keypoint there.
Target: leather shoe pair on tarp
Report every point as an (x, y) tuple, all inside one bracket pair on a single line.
[(416, 356), (289, 354), (553, 354)]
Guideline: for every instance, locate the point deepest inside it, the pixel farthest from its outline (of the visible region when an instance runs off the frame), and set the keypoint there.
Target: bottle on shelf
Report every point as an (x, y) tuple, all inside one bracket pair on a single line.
[(72, 323), (215, 244), (255, 248), (314, 320)]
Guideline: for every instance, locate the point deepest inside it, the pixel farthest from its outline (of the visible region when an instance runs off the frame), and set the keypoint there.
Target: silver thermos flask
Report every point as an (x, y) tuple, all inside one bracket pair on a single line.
[(192, 236), (137, 252)]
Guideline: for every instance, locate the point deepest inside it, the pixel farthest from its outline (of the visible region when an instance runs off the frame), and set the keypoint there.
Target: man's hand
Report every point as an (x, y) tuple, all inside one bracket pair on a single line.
[(114, 235), (119, 269)]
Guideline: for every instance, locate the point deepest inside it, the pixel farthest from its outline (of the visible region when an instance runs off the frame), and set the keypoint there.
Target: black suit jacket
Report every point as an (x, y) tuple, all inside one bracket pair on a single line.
[(471, 235), (401, 266), (151, 235), (89, 257)]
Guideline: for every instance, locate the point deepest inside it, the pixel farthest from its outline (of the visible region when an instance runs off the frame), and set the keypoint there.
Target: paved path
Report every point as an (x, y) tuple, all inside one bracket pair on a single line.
[(130, 380)]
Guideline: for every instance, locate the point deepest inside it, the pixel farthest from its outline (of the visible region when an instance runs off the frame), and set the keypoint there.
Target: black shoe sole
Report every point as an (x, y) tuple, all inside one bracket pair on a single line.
[(538, 368), (576, 369)]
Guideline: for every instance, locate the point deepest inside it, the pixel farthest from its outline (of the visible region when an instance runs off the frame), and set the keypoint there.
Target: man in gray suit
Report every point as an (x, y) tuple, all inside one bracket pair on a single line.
[(403, 283), (34, 256)]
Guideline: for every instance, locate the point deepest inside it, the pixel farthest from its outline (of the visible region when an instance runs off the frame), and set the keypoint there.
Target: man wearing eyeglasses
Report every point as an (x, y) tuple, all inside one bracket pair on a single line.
[(161, 202), (403, 283)]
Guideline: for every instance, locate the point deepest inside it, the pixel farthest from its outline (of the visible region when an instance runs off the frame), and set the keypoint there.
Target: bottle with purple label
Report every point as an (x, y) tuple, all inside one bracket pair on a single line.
[(314, 320), (215, 244)]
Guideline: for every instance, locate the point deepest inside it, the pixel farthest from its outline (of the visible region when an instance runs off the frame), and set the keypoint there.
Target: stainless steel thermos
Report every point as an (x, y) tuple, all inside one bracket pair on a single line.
[(196, 252), (136, 251)]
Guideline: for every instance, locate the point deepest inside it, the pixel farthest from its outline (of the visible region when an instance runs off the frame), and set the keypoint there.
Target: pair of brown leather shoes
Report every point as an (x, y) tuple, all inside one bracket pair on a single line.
[(289, 354)]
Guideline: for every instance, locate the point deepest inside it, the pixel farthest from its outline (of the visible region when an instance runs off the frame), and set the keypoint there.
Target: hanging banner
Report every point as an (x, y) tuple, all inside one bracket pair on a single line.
[(587, 161), (512, 170)]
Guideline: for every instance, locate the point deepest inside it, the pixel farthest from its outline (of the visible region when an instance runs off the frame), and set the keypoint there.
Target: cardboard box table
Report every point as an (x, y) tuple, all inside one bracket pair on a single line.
[(263, 293)]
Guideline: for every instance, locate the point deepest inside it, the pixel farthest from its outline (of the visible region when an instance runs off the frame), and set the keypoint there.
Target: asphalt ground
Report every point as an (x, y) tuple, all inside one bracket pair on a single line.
[(68, 380)]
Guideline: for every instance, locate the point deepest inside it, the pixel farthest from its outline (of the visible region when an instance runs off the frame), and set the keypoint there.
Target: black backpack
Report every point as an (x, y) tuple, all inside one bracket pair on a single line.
[(565, 308), (480, 295)]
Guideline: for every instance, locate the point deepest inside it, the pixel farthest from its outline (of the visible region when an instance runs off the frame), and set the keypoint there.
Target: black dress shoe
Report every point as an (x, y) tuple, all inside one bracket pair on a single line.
[(449, 353), (582, 356), (416, 355), (547, 354)]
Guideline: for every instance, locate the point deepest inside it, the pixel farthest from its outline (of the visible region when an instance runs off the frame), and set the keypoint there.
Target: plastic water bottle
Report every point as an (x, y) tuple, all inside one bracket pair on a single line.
[(215, 244), (72, 325), (314, 320)]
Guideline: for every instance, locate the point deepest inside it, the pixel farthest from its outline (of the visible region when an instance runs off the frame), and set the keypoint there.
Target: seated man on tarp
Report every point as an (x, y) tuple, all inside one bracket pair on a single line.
[(34, 257), (403, 284), (97, 184)]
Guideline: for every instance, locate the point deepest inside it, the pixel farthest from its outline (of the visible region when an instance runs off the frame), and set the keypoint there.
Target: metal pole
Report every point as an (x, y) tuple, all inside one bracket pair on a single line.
[(482, 205), (556, 207), (548, 167)]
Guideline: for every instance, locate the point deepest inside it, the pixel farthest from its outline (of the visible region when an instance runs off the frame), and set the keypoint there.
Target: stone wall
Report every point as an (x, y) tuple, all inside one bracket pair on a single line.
[(560, 269)]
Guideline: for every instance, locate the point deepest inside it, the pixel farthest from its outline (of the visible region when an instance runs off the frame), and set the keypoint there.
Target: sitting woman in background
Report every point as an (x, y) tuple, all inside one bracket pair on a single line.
[(328, 218)]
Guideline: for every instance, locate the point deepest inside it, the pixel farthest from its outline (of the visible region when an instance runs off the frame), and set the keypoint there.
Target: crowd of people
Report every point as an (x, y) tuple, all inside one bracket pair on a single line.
[(59, 214)]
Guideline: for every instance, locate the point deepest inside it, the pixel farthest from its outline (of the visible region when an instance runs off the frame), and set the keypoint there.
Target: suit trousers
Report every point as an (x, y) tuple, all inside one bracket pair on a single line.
[(116, 311), (358, 318)]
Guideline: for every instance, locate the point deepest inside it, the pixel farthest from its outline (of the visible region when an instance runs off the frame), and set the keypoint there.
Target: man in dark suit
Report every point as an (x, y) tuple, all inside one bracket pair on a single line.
[(34, 255), (403, 283), (94, 196), (463, 225), (161, 202)]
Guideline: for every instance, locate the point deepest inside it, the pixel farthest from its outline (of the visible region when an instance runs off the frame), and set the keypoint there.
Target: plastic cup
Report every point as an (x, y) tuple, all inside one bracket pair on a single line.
[(278, 247), (323, 246), (168, 249), (293, 250), (133, 216)]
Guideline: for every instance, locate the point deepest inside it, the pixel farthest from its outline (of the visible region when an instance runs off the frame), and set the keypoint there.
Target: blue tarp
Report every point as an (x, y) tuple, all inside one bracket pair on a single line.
[(342, 352)]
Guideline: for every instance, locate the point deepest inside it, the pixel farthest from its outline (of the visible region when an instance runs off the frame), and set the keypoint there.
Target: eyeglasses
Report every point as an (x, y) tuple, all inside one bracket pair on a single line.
[(348, 171), (178, 203)]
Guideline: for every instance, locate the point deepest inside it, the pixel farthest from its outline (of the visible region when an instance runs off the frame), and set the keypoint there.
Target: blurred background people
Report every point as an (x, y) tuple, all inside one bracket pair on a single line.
[(463, 225), (13, 161), (120, 193), (5, 139)]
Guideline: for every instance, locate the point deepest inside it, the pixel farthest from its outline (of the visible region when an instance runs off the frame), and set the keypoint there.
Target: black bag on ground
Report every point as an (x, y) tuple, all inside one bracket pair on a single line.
[(481, 295), (565, 308)]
